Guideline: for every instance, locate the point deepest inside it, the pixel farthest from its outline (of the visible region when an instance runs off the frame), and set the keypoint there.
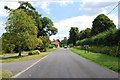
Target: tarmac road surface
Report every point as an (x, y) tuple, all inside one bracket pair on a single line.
[(63, 63)]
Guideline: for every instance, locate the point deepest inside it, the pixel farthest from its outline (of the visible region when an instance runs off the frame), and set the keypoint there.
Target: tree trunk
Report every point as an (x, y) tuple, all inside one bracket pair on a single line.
[(19, 53)]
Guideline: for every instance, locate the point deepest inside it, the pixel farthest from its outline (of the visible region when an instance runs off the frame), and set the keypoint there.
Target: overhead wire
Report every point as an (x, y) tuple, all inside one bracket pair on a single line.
[(114, 8)]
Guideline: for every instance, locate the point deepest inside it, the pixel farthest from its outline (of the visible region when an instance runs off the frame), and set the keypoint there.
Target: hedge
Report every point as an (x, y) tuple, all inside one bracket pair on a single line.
[(107, 38)]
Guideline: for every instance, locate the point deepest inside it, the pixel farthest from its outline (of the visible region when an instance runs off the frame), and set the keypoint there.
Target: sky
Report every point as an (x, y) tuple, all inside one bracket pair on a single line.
[(66, 13)]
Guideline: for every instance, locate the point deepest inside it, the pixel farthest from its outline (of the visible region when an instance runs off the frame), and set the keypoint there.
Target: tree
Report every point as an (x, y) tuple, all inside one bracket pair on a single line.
[(101, 23), (46, 28), (45, 43), (85, 34), (44, 24), (73, 35), (22, 30), (64, 41), (7, 43)]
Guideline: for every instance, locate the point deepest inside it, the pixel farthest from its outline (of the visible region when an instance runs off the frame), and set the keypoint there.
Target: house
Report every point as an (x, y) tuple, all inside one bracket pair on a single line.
[(56, 42)]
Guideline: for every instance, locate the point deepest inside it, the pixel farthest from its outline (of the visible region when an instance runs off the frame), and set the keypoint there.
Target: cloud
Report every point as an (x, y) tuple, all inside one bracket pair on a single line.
[(97, 7), (12, 5), (65, 2), (43, 5), (82, 22)]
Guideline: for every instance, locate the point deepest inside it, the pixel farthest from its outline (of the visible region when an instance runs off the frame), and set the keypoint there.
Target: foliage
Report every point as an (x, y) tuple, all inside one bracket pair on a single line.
[(107, 38), (7, 44), (21, 31), (46, 28), (44, 24), (102, 23), (52, 45), (64, 42), (73, 35), (29, 27), (101, 59), (45, 43), (85, 34), (33, 52), (108, 50)]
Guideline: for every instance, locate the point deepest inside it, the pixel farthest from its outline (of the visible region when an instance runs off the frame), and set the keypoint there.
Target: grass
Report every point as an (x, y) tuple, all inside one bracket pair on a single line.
[(50, 50), (8, 54), (5, 74), (101, 59), (24, 57)]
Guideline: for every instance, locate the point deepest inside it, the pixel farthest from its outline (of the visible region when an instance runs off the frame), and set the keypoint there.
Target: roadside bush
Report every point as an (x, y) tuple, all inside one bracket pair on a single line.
[(52, 45), (107, 38), (33, 52), (108, 50)]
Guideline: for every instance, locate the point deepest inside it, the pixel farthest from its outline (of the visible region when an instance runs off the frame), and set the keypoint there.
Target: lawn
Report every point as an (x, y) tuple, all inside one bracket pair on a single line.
[(101, 59), (50, 50), (24, 57), (8, 54), (5, 74)]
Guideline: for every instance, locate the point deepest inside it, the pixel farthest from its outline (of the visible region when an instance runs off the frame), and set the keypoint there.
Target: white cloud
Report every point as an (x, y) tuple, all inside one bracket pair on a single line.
[(82, 22), (65, 2), (11, 5), (97, 7), (42, 5)]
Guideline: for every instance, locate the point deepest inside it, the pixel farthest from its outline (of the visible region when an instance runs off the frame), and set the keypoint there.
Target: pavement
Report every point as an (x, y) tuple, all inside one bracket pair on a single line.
[(62, 63)]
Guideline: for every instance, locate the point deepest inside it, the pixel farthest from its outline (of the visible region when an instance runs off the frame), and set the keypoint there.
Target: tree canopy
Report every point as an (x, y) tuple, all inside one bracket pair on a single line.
[(45, 25), (64, 42), (21, 30), (85, 33), (73, 35), (101, 23)]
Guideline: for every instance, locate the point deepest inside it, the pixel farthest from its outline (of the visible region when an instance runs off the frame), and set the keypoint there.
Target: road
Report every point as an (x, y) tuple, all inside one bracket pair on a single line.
[(63, 63), (16, 67)]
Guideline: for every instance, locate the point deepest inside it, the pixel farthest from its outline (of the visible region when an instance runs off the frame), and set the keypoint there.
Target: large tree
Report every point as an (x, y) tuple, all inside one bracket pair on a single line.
[(73, 35), (45, 25), (64, 42), (46, 28), (85, 33), (21, 30), (101, 23)]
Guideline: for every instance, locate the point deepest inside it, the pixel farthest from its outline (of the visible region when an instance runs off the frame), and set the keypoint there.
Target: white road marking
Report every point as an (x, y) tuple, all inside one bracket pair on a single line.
[(28, 67)]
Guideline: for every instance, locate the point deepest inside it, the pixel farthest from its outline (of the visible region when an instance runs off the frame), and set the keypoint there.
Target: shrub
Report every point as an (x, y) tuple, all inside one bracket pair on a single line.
[(107, 38), (109, 50), (33, 52), (52, 45)]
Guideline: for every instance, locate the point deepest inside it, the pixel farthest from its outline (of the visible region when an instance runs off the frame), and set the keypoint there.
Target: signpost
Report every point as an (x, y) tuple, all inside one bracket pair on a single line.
[(86, 48)]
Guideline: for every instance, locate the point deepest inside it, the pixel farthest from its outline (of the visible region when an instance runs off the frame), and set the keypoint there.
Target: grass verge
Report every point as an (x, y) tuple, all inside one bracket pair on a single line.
[(50, 50), (8, 54), (5, 74), (101, 59), (24, 57)]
